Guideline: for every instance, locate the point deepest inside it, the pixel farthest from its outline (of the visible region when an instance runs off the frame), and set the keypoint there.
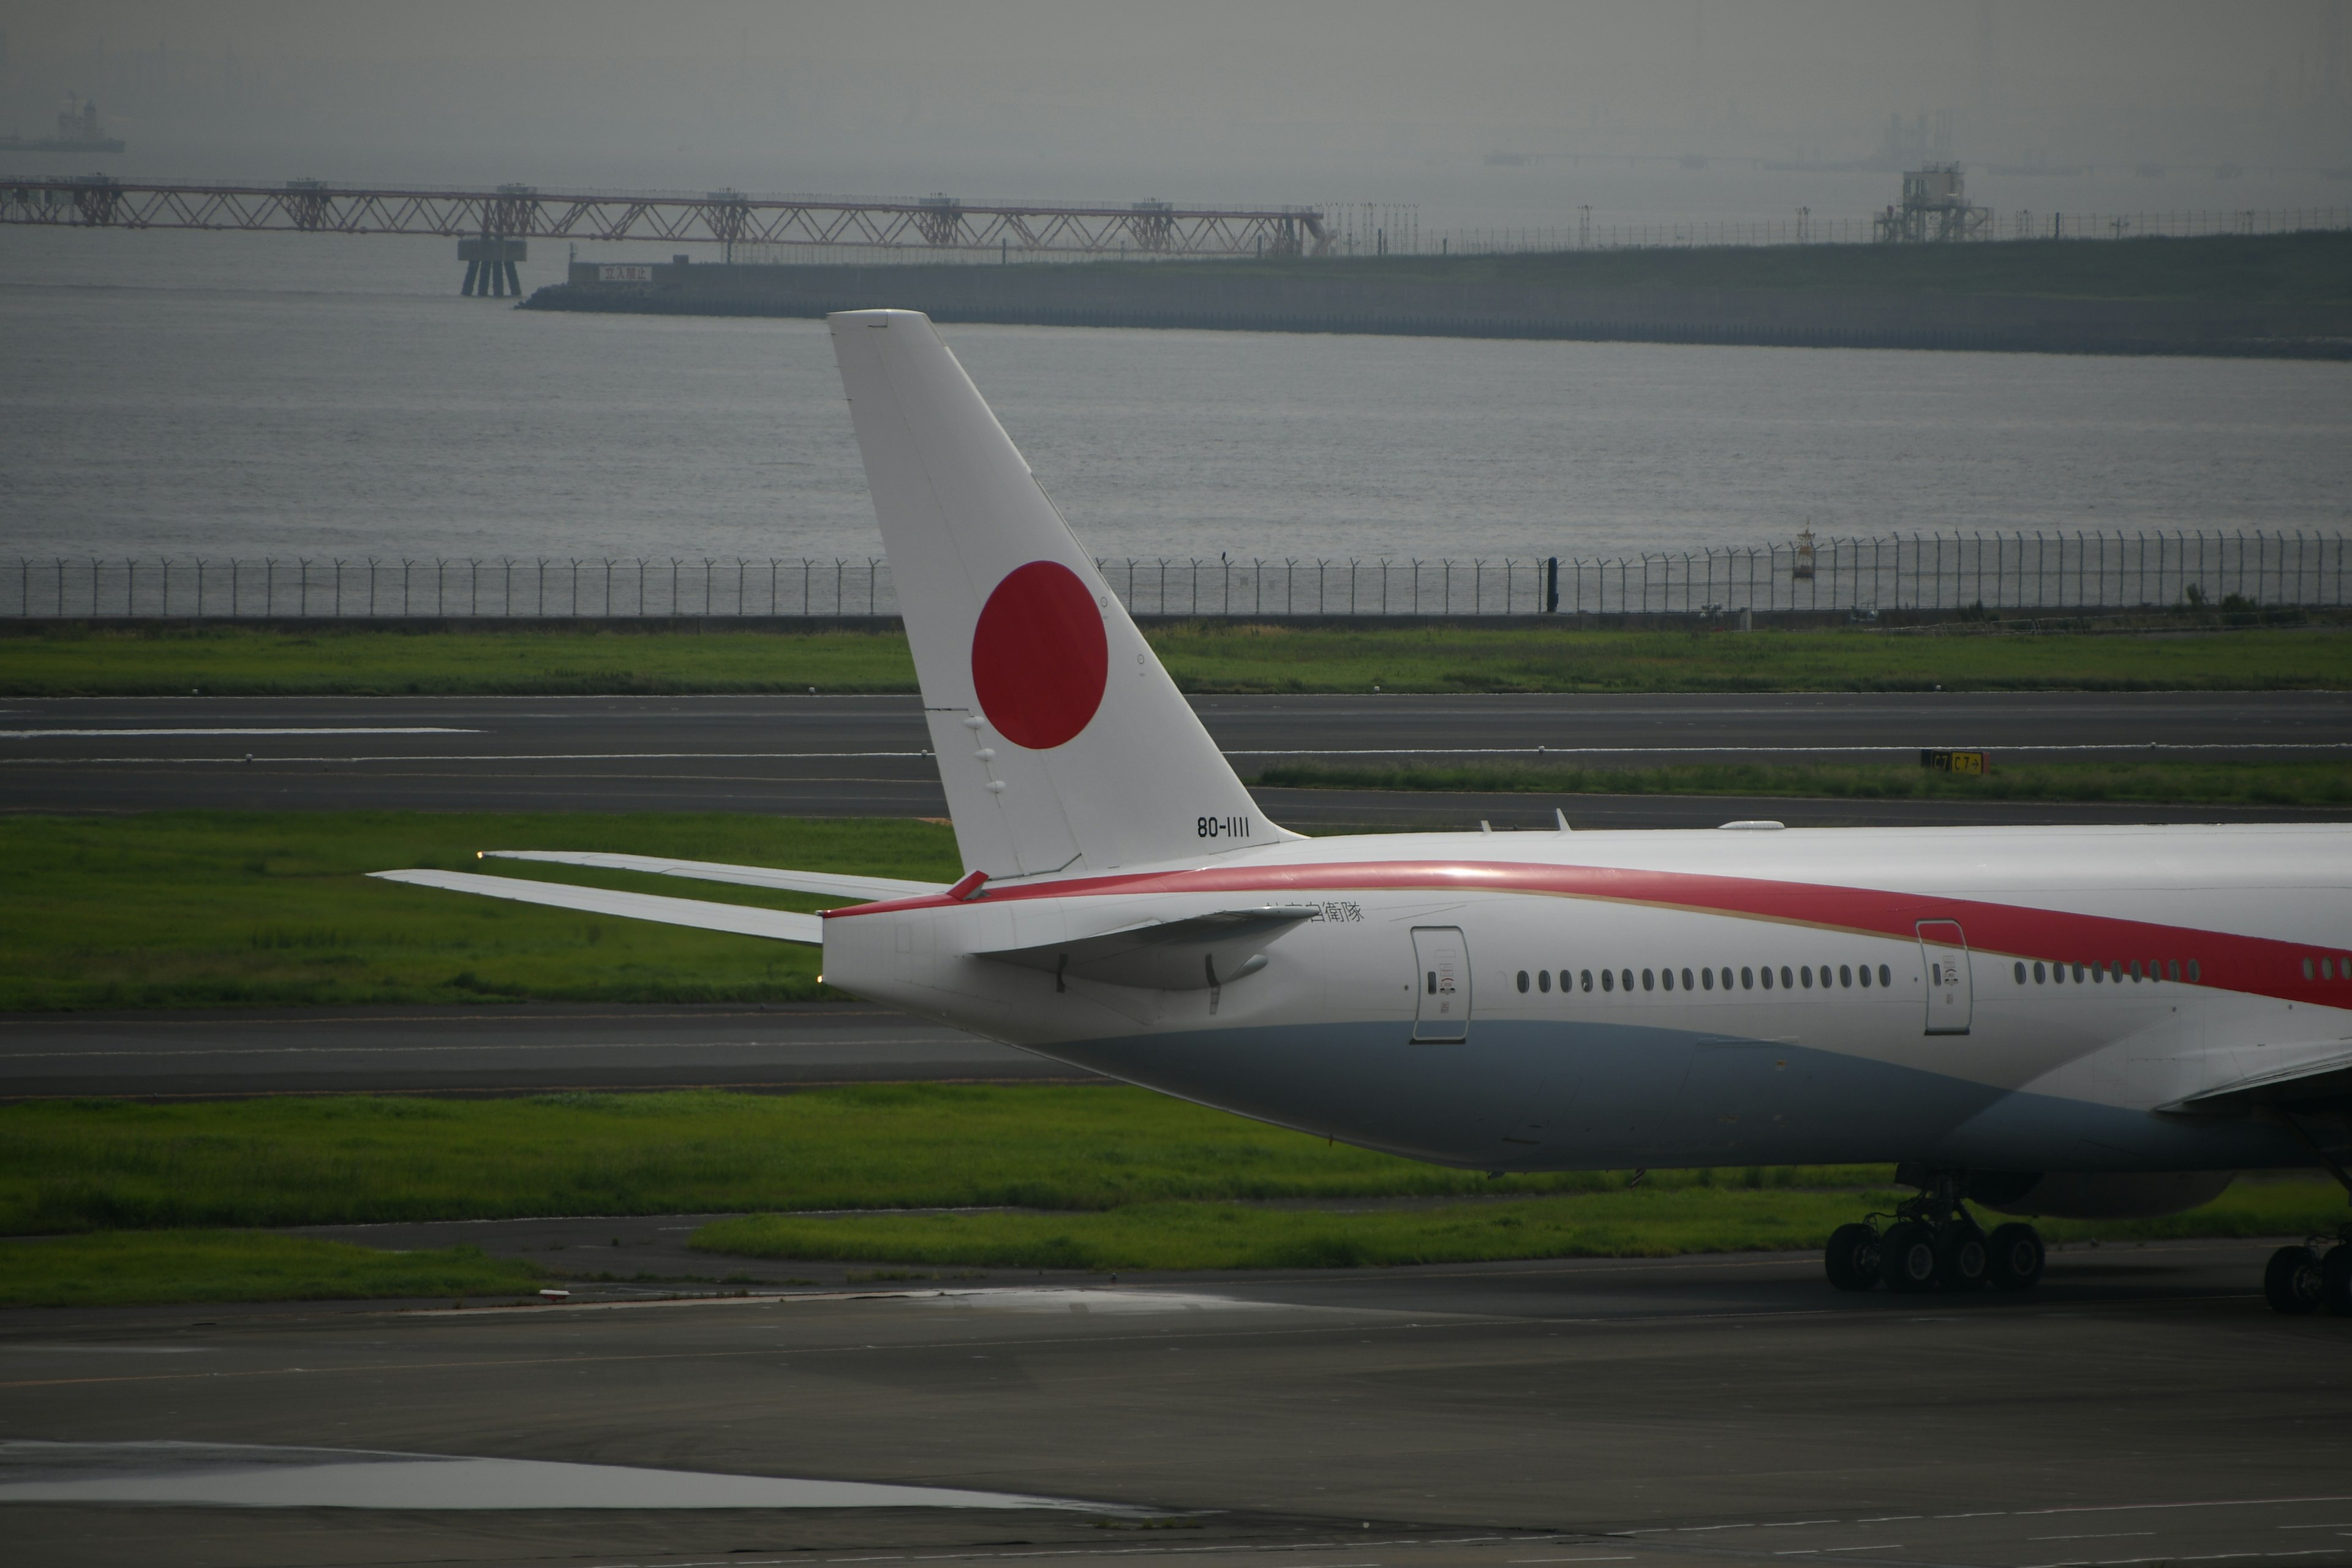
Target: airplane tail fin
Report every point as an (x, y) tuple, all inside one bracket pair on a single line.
[(1061, 742)]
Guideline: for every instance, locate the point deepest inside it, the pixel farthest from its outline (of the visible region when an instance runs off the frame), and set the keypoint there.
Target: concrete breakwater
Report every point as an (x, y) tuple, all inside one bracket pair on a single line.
[(1337, 297)]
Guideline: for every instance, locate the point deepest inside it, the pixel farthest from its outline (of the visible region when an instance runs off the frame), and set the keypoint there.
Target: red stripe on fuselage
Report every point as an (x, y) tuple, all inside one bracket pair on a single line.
[(2258, 965)]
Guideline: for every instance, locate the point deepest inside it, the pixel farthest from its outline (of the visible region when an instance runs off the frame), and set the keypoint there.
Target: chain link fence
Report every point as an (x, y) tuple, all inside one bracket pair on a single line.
[(2038, 572)]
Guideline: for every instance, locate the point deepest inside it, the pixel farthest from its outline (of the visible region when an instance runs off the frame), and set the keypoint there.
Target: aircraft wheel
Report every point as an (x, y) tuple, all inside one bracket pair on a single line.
[(1906, 1258), (1961, 1259), (2014, 1257), (1851, 1258), (2335, 1281), (2291, 1281)]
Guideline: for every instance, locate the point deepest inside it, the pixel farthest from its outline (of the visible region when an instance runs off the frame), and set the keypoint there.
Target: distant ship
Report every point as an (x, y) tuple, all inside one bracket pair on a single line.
[(76, 132)]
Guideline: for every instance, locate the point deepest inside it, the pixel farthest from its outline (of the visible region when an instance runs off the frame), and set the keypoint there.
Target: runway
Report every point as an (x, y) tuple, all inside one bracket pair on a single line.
[(2142, 1407), (863, 756), (521, 1049)]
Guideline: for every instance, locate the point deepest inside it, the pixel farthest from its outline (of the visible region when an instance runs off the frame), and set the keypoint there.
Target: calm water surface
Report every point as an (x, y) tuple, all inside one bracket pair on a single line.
[(183, 394)]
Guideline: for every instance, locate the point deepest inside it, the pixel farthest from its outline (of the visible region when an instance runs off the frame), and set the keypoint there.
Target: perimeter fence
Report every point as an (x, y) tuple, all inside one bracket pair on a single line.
[(1947, 572)]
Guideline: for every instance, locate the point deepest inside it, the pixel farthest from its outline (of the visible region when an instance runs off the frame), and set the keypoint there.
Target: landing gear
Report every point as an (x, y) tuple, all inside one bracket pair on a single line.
[(2291, 1283), (1933, 1244), (1852, 1257), (2014, 1257), (2300, 1280)]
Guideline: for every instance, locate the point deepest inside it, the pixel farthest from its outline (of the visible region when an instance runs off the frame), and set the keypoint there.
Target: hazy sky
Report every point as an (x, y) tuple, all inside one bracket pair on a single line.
[(1492, 112)]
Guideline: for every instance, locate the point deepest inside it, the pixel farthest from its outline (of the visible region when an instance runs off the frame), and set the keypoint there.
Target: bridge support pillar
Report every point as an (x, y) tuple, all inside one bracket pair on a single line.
[(490, 265)]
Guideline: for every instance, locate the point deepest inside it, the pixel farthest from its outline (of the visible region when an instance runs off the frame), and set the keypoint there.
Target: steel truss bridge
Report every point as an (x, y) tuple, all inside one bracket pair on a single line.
[(937, 224)]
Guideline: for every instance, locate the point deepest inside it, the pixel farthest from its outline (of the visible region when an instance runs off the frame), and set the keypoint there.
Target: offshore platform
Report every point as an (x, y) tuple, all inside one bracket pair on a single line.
[(78, 132)]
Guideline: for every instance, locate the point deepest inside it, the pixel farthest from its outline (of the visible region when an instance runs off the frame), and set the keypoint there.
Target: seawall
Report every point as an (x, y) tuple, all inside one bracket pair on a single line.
[(1339, 297)]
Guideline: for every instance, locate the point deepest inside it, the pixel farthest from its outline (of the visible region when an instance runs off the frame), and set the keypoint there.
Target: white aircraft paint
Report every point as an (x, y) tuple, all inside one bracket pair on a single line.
[(2104, 1001)]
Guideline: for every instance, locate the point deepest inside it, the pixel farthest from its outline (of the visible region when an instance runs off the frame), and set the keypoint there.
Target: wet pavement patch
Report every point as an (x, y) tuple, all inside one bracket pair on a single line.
[(241, 1475)]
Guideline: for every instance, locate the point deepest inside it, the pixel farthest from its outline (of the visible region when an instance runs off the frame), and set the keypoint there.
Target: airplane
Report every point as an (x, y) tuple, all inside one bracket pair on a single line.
[(2084, 1022)]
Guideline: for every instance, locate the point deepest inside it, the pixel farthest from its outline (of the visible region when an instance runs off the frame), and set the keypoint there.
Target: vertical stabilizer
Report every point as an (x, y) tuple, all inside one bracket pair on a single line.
[(1062, 744)]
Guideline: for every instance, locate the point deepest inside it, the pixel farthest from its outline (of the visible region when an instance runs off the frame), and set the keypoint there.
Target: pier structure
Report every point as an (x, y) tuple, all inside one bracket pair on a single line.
[(1936, 208), (937, 225)]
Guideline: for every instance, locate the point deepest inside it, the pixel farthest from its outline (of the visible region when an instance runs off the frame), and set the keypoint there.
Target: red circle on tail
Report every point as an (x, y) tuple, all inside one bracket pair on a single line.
[(1039, 659)]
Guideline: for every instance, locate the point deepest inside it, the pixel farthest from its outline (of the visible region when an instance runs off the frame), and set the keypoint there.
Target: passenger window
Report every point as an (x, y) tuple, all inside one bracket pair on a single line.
[(2172, 969), (1668, 976), (2323, 967), (2037, 971), (1845, 976), (1768, 978), (1746, 979), (2020, 967), (1588, 977), (1866, 978), (1707, 979), (2057, 974), (1523, 980), (2078, 974), (1608, 980), (1686, 979), (2192, 971), (1727, 977), (1786, 982), (1805, 974), (1649, 979), (1885, 977), (1543, 981), (2306, 968), (1627, 976)]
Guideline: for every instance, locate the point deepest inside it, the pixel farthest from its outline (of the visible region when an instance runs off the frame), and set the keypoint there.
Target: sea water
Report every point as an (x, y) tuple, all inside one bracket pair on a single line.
[(193, 395)]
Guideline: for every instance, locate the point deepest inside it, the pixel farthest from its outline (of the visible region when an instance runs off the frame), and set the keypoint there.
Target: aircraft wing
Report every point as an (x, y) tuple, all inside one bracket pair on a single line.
[(827, 884), (2271, 1072), (780, 925), (1196, 953)]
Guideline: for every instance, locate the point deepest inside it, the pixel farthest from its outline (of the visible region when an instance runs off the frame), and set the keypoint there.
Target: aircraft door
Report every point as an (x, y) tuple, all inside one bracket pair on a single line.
[(1441, 985), (1944, 950)]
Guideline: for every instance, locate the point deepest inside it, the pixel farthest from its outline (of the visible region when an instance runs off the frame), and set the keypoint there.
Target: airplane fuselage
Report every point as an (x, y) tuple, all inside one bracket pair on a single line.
[(1994, 998)]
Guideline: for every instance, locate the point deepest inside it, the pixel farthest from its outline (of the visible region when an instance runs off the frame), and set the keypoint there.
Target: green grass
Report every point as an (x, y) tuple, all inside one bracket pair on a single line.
[(1663, 1221), (222, 661), (1216, 657), (1203, 657), (204, 909), (92, 1164), (130, 1268), (2203, 783)]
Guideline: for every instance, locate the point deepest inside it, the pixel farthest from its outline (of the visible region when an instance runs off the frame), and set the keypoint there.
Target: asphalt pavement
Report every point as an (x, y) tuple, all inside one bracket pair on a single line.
[(2142, 1407), (867, 756)]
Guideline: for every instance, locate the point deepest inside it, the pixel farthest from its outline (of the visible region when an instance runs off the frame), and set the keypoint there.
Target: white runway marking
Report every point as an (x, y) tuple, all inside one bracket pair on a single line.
[(241, 1475), (280, 730), (1025, 1299), (1641, 750)]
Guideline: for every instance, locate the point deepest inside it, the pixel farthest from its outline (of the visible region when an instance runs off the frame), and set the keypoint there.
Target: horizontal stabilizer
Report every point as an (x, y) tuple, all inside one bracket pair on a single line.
[(1193, 954), (826, 884), (779, 925), (2266, 1067)]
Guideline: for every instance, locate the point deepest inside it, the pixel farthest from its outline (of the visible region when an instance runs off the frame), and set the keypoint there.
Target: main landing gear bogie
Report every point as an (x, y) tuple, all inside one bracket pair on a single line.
[(1933, 1243), (2314, 1277)]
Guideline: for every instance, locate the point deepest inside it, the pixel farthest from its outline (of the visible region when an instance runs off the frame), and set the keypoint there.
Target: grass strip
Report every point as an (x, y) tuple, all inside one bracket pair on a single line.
[(1643, 1222), (268, 909), (122, 1268), (2179, 783), (1203, 657), (70, 1165)]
